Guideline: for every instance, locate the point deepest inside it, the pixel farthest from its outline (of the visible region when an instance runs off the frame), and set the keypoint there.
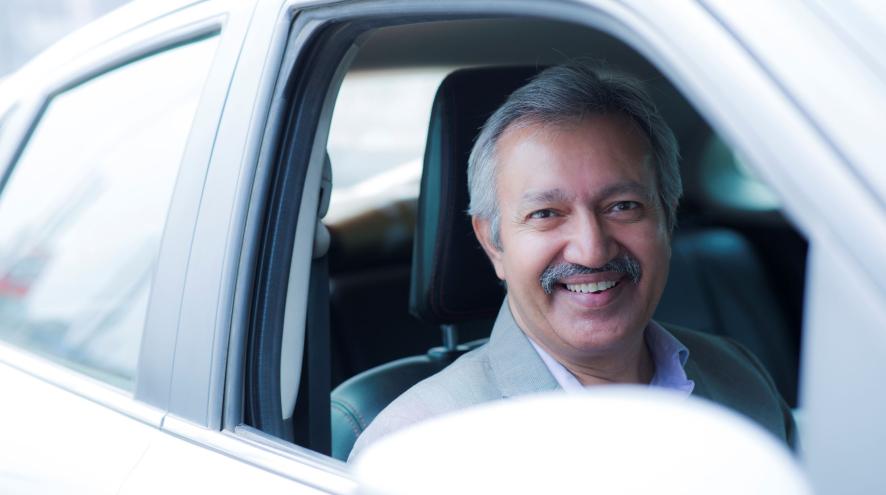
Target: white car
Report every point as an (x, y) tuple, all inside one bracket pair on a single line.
[(165, 264)]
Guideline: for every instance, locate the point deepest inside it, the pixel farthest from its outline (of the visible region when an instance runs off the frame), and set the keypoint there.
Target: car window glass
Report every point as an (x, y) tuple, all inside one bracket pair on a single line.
[(82, 212)]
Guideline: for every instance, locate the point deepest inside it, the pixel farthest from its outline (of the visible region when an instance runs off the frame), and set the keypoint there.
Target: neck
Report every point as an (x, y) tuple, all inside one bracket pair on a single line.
[(631, 362), (633, 366)]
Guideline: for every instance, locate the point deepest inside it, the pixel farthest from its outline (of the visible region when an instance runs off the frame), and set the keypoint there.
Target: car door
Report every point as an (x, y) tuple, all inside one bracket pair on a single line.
[(825, 60), (202, 444), (110, 135)]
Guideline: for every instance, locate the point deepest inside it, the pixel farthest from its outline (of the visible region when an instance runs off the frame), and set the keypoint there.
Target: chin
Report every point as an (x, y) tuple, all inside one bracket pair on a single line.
[(590, 336)]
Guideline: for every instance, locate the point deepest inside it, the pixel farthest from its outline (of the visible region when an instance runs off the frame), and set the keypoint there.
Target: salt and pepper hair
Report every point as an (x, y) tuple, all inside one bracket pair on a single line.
[(565, 94)]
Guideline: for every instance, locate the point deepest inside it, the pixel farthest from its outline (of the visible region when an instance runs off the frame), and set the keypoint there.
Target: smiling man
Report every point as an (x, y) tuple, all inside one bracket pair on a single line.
[(574, 185), (582, 242)]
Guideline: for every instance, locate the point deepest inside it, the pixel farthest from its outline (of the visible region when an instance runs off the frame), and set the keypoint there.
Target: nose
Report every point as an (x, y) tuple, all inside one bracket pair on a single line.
[(589, 242)]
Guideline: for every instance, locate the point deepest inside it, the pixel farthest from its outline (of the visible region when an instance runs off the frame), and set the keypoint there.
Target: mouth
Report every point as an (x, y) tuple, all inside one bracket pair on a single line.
[(591, 294), (592, 287), (577, 278)]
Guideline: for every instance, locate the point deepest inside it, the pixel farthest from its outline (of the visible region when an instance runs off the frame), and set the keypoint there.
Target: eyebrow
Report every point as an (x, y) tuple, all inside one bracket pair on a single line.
[(560, 196), (545, 197), (624, 188)]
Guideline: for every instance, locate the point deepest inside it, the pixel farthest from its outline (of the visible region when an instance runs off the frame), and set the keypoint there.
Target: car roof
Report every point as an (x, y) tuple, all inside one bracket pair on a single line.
[(106, 28)]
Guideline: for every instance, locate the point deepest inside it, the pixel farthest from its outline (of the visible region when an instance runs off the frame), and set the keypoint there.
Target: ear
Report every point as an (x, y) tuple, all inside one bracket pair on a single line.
[(481, 230)]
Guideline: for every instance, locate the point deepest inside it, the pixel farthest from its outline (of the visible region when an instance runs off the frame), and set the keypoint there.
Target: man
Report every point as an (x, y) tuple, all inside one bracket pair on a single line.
[(574, 185)]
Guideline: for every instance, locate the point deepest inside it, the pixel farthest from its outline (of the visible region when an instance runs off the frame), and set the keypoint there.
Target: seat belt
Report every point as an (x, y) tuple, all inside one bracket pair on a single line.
[(317, 362)]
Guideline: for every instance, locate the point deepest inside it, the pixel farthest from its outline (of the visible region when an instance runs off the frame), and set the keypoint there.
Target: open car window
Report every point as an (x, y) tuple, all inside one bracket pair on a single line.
[(377, 146)]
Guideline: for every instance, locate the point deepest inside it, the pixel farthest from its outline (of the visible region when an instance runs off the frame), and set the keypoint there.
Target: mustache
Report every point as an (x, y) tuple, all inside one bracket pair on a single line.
[(556, 272)]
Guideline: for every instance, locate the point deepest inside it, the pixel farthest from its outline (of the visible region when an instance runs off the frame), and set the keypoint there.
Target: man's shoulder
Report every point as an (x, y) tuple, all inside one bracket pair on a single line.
[(701, 341), (714, 354), (726, 372), (465, 382)]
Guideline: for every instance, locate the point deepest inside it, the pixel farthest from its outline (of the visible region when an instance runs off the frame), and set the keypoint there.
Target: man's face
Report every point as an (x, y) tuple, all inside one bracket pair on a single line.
[(583, 194)]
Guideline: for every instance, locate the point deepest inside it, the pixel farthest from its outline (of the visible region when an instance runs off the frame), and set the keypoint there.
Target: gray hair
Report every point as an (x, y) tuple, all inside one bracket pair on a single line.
[(567, 93)]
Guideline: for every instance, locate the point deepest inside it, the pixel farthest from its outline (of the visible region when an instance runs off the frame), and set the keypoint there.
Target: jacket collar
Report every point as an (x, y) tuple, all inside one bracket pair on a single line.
[(519, 370), (516, 367)]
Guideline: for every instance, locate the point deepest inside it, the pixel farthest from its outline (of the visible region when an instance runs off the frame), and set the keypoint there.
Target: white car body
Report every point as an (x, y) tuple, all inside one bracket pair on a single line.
[(802, 99)]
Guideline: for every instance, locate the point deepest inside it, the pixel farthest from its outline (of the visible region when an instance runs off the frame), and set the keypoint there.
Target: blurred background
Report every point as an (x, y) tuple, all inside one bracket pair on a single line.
[(28, 27)]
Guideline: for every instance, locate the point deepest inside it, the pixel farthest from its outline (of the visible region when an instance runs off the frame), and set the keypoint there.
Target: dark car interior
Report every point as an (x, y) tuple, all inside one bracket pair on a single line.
[(409, 287)]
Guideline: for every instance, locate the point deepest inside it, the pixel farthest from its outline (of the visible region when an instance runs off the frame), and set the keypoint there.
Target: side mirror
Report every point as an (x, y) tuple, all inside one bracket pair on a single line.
[(613, 439)]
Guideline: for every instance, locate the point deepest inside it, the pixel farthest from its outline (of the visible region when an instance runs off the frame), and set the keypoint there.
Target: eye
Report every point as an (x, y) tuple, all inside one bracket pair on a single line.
[(628, 211), (625, 206), (541, 214)]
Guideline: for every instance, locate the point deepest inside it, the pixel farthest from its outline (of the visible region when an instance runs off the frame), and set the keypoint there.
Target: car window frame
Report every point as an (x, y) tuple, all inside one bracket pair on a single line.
[(593, 16)]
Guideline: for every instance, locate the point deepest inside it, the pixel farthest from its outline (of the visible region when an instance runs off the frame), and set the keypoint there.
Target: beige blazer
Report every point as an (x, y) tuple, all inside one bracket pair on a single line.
[(508, 366)]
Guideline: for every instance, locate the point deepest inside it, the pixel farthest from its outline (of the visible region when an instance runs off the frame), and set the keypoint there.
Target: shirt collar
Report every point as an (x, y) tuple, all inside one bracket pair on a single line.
[(668, 354)]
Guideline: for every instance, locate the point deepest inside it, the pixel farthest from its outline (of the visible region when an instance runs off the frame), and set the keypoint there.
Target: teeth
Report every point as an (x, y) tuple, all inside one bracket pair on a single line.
[(592, 287)]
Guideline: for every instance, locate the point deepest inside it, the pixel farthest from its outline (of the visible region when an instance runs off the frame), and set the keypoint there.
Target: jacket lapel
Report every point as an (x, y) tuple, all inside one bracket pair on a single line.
[(516, 368)]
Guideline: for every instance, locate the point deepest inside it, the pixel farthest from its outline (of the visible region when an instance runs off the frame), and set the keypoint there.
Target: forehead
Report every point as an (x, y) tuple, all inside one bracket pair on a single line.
[(577, 157)]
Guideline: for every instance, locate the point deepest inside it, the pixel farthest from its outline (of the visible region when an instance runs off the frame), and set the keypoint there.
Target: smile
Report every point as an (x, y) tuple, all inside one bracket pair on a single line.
[(593, 287)]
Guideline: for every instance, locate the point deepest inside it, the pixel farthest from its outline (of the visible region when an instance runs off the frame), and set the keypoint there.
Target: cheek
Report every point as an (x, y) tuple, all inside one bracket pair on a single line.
[(658, 256), (527, 255)]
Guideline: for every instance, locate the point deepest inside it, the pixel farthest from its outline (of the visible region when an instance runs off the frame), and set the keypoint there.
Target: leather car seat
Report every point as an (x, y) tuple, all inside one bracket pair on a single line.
[(717, 285), (716, 282)]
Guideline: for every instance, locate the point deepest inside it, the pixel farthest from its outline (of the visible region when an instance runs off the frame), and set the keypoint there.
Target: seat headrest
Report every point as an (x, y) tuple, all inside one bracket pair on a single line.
[(452, 279)]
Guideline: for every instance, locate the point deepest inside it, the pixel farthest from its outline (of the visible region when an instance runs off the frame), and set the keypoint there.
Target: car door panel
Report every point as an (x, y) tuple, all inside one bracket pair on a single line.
[(174, 464), (186, 456), (843, 347), (64, 441)]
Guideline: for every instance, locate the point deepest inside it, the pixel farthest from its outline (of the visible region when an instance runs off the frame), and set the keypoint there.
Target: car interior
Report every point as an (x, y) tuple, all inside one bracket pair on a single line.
[(409, 289)]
